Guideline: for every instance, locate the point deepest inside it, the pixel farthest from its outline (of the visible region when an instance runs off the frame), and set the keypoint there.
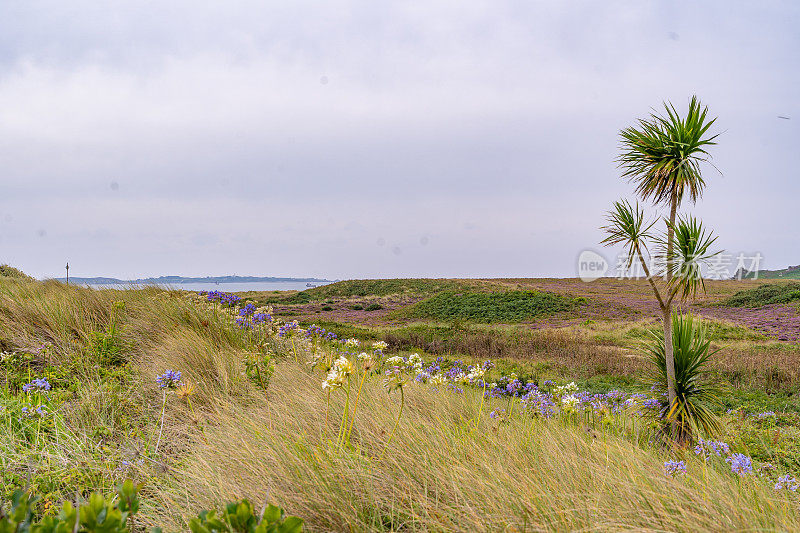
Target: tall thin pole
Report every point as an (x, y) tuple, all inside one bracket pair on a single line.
[(67, 272)]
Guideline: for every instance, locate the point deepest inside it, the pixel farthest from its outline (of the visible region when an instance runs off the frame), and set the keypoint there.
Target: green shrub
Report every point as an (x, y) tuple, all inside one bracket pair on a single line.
[(239, 517), (512, 306), (98, 514), (357, 307), (766, 294), (302, 297), (373, 307), (259, 367), (327, 308), (111, 515)]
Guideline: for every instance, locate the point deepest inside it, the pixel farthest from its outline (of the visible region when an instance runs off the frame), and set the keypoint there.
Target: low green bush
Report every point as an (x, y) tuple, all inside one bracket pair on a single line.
[(112, 515), (240, 517), (766, 294), (511, 306)]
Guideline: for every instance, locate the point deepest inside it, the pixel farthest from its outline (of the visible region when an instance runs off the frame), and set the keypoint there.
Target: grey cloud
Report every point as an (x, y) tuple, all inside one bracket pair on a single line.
[(226, 145)]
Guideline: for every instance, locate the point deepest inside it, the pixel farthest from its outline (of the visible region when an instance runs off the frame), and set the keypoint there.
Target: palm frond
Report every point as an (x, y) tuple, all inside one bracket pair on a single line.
[(627, 226), (662, 154), (691, 250), (696, 392)]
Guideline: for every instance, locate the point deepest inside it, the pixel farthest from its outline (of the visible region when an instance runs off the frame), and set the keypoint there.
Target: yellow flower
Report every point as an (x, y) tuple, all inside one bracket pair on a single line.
[(185, 390)]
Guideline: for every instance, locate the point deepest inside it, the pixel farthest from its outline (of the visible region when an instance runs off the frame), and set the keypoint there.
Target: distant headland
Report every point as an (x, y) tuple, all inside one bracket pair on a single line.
[(178, 280)]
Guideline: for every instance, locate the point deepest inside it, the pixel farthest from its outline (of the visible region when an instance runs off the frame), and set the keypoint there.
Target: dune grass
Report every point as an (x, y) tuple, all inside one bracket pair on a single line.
[(445, 473), (104, 410), (7, 271), (444, 470)]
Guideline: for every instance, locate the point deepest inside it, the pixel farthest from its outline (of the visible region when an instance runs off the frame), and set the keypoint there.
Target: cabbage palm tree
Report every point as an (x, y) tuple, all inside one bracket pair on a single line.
[(662, 156)]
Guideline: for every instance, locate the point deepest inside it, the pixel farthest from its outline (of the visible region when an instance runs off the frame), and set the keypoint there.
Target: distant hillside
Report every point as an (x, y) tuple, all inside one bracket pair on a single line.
[(792, 272), (177, 280), (374, 287)]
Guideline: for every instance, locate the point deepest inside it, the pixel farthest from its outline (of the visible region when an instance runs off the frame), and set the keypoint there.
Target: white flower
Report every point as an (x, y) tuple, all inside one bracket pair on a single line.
[(414, 362), (338, 373), (461, 377), (379, 345), (564, 390), (569, 402), (352, 343), (343, 366), (437, 379), (476, 373), (363, 356), (333, 381), (396, 360)]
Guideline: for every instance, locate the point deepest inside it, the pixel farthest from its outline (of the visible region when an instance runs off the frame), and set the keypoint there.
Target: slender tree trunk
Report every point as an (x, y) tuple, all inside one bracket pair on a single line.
[(668, 348), (669, 355)]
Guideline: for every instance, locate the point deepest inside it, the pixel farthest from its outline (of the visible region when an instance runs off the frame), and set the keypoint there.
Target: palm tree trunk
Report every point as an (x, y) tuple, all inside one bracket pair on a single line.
[(668, 348)]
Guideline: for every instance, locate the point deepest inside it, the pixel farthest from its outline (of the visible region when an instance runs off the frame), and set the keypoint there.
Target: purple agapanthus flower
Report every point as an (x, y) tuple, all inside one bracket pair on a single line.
[(740, 464), (708, 448), (651, 403), (247, 310), (223, 298), (787, 482), (674, 467), (170, 379), (37, 385)]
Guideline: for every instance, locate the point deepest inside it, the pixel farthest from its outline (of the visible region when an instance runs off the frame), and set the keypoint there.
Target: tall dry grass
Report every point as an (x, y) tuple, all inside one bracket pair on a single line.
[(441, 473), (108, 416)]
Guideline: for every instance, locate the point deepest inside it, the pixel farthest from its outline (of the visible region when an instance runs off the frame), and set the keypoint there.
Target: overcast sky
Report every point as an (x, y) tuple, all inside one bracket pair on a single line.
[(375, 139)]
